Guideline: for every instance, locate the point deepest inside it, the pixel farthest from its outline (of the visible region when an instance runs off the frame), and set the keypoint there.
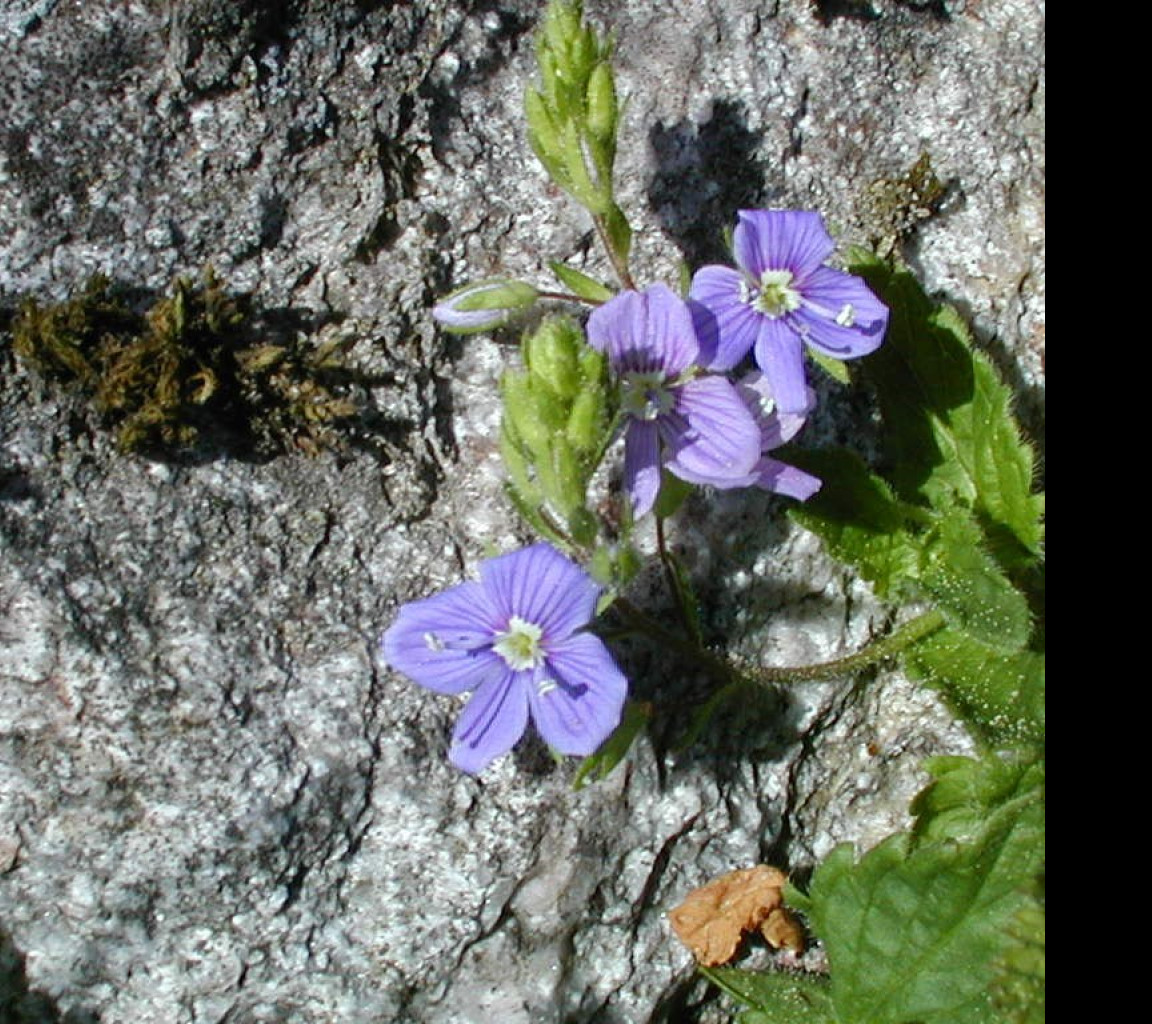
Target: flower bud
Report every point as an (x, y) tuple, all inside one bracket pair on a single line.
[(483, 306)]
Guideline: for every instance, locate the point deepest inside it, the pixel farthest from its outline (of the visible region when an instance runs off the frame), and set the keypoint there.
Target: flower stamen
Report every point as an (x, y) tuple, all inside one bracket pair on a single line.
[(645, 397), (519, 645), (776, 296)]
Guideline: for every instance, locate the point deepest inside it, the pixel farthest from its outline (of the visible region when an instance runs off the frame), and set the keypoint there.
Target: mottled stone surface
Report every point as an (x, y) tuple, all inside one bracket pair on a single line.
[(215, 803)]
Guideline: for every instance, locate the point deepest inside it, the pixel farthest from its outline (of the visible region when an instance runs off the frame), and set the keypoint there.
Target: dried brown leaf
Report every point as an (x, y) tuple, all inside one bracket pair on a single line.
[(782, 931), (713, 919)]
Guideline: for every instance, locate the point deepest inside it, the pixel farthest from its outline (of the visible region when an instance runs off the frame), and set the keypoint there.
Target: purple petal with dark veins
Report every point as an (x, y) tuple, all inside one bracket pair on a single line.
[(543, 587), (645, 332), (642, 465), (794, 240), (725, 323), (711, 432), (780, 354), (492, 721), (577, 695), (444, 642), (780, 478)]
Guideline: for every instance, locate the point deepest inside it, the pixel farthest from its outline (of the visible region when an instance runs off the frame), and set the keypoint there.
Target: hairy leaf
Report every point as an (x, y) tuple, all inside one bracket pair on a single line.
[(1018, 973), (949, 426), (912, 929), (967, 585), (859, 519), (1000, 695), (966, 791), (775, 998)]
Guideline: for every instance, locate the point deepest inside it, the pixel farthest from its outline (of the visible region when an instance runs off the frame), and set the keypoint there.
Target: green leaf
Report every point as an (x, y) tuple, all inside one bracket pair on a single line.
[(999, 695), (948, 418), (966, 584), (672, 494), (580, 284), (965, 792), (912, 930), (859, 519), (1018, 988), (775, 998), (619, 233), (598, 766)]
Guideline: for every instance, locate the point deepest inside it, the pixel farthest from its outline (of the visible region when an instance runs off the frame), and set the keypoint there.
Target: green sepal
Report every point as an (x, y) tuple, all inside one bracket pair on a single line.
[(615, 565), (544, 137), (775, 997), (586, 422), (580, 284), (590, 194), (535, 518), (583, 526), (561, 477), (520, 476), (495, 293), (530, 414), (598, 766), (673, 493), (835, 368), (600, 126)]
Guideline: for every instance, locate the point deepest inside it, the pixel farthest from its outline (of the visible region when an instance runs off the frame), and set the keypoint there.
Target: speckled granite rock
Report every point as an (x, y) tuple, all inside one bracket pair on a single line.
[(215, 803)]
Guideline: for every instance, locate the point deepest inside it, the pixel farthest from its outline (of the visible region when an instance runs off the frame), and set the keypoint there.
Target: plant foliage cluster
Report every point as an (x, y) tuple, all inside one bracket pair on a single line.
[(943, 923)]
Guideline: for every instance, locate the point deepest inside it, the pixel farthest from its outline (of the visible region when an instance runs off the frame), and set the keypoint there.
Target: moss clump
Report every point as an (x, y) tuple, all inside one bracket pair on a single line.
[(188, 372), (892, 208)]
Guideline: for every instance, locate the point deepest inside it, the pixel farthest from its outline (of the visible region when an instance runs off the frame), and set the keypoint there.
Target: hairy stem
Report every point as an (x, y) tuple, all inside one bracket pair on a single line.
[(730, 674)]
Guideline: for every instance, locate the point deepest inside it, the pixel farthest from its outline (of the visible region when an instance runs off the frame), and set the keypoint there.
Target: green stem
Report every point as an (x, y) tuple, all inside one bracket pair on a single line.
[(728, 674), (619, 265), (670, 577), (566, 297)]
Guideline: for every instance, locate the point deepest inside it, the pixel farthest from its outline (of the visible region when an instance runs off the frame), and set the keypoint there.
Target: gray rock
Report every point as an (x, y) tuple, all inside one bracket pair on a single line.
[(215, 803)]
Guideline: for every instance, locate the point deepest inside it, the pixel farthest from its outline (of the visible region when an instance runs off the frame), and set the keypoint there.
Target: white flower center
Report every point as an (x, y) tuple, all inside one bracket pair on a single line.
[(519, 645), (776, 295), (645, 396)]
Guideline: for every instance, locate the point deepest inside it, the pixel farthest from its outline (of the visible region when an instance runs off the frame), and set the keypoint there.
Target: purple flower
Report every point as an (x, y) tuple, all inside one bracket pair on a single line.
[(775, 429), (699, 421), (516, 639), (780, 299)]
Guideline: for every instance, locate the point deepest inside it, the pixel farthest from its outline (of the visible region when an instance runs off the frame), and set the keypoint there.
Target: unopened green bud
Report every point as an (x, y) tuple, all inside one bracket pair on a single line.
[(586, 421), (483, 305), (521, 412), (551, 355), (601, 104)]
